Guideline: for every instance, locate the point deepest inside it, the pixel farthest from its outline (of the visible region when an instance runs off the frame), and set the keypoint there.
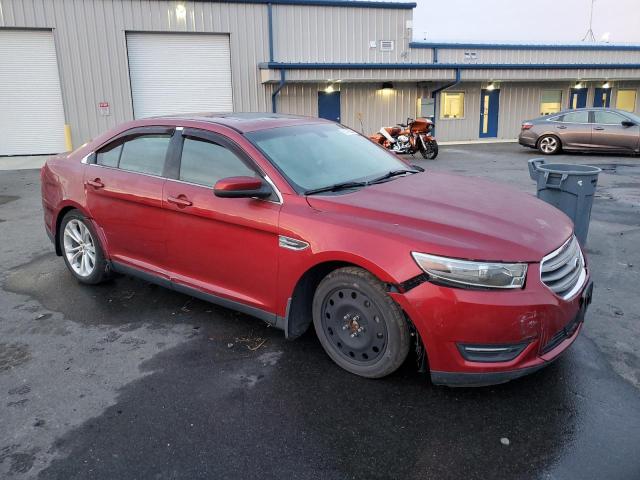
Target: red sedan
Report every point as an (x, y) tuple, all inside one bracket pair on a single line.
[(298, 221)]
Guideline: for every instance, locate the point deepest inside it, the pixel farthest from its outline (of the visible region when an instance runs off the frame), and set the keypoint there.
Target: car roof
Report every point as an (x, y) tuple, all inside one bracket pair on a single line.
[(246, 121)]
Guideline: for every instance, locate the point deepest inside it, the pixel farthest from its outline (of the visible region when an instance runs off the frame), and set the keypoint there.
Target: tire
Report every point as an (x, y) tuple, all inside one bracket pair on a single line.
[(359, 326), (431, 152), (549, 145), (81, 249)]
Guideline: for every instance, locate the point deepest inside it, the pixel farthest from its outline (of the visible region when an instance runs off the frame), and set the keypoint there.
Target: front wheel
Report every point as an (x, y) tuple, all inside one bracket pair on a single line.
[(429, 149), (359, 326)]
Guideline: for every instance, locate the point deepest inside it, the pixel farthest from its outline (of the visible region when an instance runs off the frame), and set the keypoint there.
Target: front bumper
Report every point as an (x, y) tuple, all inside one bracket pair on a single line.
[(449, 317)]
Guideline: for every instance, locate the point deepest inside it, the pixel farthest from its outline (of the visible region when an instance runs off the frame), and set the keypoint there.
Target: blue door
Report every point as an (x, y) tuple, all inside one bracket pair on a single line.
[(602, 97), (329, 105), (489, 106), (578, 98)]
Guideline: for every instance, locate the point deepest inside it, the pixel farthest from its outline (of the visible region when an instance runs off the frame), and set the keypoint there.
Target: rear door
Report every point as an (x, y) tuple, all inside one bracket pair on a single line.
[(610, 134), (123, 184), (574, 129), (227, 247)]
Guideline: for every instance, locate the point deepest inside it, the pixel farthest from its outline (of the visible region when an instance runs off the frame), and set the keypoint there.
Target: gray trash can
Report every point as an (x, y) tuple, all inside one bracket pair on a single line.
[(569, 188)]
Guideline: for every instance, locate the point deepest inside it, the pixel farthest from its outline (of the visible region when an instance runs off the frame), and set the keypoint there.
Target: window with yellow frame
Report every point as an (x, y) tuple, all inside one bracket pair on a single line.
[(452, 105), (626, 100)]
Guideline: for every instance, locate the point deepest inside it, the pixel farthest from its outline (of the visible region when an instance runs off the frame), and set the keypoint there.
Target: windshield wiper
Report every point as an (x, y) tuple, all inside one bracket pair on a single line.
[(347, 185), (391, 174), (336, 187)]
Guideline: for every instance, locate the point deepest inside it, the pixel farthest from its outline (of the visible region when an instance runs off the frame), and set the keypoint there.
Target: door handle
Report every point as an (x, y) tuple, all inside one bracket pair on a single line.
[(181, 201), (97, 183), (598, 128), (562, 127)]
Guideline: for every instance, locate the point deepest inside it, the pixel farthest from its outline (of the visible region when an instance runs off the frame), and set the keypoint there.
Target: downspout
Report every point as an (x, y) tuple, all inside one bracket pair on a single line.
[(270, 28), (434, 96), (274, 95), (276, 92)]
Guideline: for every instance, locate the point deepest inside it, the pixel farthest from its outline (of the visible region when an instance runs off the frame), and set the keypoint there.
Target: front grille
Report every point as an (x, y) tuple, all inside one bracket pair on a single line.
[(563, 270)]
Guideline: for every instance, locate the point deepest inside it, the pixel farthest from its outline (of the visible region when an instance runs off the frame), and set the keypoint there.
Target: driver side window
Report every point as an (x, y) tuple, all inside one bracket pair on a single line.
[(204, 163), (607, 118)]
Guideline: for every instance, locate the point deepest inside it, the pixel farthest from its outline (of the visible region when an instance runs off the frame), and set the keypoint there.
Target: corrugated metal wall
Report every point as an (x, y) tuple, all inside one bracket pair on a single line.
[(342, 34)]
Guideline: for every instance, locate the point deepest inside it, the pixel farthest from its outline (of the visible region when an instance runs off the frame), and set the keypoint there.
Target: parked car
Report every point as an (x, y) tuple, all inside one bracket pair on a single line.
[(297, 221), (583, 129)]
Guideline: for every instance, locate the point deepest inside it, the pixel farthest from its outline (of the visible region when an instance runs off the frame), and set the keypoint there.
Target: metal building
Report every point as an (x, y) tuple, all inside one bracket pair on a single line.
[(71, 69)]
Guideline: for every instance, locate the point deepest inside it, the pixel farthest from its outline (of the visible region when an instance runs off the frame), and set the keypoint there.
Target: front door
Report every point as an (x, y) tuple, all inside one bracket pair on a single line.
[(329, 106), (227, 247), (610, 134), (602, 97), (123, 185), (578, 98), (489, 106)]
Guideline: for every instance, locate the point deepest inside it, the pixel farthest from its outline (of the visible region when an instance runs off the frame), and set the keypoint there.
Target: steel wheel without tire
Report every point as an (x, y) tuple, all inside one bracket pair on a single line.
[(81, 249), (549, 145), (358, 324)]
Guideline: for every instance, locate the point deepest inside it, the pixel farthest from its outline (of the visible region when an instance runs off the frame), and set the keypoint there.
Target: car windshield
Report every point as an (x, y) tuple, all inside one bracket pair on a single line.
[(321, 155)]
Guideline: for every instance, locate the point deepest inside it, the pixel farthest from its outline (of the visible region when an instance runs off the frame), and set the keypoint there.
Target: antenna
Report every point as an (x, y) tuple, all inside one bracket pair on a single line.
[(589, 36)]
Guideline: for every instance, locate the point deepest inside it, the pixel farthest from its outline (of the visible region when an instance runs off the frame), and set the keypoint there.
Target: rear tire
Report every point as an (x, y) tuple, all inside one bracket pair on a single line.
[(549, 145), (81, 249), (359, 326)]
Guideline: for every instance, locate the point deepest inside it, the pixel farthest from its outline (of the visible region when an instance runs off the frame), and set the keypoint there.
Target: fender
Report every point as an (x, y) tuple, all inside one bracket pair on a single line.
[(62, 208)]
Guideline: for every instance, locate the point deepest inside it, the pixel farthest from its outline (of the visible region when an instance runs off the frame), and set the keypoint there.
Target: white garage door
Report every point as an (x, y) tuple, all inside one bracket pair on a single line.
[(179, 73), (31, 112)]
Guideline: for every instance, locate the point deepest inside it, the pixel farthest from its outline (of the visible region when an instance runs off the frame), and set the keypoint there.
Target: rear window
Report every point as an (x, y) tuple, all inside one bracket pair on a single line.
[(109, 157), (145, 154), (576, 117)]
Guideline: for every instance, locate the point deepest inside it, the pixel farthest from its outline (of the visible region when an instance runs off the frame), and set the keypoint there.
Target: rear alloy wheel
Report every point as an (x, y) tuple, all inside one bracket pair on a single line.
[(358, 324), (81, 249), (549, 145)]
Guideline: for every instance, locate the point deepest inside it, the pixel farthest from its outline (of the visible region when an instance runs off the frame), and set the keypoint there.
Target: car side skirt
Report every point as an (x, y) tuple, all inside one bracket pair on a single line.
[(268, 317)]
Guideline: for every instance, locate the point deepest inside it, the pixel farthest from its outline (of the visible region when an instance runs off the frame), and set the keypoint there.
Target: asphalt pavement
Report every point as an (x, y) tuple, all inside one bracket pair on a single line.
[(128, 380)]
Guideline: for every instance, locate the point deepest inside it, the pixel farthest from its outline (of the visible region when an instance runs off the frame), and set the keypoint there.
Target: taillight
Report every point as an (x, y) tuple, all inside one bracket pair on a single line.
[(527, 125)]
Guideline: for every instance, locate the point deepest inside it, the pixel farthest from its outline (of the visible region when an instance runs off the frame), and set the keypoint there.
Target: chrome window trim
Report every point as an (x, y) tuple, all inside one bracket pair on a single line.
[(127, 171), (581, 279), (85, 159)]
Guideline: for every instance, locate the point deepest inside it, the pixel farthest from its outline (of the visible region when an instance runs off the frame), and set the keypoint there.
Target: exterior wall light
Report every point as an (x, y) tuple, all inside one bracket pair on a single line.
[(491, 86), (387, 87), (181, 12), (329, 89), (606, 85), (578, 86)]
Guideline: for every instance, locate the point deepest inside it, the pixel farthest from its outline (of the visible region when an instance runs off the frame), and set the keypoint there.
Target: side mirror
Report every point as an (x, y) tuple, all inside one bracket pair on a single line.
[(241, 187), (628, 123)]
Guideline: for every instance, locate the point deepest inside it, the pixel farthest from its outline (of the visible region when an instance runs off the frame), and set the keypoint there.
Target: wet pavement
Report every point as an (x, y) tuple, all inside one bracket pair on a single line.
[(129, 380)]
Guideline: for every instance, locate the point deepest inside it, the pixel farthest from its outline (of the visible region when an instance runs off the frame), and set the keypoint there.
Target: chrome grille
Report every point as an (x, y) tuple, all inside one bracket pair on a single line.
[(563, 270)]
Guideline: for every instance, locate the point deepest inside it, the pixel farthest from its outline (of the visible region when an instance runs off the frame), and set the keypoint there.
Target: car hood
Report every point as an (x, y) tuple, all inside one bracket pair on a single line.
[(455, 216)]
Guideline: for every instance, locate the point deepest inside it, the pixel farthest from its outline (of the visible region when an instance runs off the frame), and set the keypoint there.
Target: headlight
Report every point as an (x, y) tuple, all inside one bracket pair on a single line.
[(465, 273)]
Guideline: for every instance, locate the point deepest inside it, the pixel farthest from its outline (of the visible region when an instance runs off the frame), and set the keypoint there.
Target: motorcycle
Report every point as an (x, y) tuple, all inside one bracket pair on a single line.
[(412, 137)]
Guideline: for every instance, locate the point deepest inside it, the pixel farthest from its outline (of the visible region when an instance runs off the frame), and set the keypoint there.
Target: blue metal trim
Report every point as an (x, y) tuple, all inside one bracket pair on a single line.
[(270, 25), (442, 66), (274, 103), (326, 3), (531, 46)]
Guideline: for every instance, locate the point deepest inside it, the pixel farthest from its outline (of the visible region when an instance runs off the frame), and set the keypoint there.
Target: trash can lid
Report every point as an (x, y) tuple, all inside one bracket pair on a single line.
[(568, 168)]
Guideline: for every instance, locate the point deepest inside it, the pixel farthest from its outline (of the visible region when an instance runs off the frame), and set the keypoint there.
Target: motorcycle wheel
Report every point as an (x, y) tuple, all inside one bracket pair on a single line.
[(431, 150)]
